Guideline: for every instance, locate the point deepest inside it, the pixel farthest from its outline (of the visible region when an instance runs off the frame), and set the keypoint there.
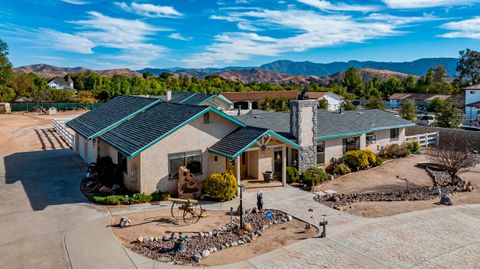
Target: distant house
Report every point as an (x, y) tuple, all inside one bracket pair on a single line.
[(191, 98), (422, 99), (150, 139), (250, 100), (472, 106), (60, 83)]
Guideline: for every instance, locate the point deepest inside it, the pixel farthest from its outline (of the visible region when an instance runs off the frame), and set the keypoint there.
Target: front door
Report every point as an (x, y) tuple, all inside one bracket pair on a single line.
[(277, 162), (243, 165)]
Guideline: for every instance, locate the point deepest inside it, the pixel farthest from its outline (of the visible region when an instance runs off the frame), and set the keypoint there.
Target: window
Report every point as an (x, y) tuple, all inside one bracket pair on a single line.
[(122, 162), (351, 143), (394, 134), (244, 158), (321, 152), (206, 118), (472, 92), (191, 160), (215, 158), (371, 138)]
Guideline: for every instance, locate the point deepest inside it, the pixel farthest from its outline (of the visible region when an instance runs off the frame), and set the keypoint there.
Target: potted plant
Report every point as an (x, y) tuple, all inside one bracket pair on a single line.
[(267, 176)]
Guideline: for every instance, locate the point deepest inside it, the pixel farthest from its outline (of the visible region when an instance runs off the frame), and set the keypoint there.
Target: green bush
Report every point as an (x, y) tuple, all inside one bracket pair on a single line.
[(395, 151), (360, 159), (136, 198), (292, 174), (379, 161), (313, 176), (356, 160), (107, 172), (341, 169), (413, 146), (222, 187)]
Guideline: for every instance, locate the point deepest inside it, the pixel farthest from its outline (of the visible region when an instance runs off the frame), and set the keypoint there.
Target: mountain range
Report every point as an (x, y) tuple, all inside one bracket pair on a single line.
[(279, 72)]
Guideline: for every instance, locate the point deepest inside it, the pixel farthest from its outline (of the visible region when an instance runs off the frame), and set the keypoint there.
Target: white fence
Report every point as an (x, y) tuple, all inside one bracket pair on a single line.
[(426, 139), (61, 129)]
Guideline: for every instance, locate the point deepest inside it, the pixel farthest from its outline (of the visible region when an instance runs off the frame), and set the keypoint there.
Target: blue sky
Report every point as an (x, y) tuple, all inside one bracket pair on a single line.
[(216, 33)]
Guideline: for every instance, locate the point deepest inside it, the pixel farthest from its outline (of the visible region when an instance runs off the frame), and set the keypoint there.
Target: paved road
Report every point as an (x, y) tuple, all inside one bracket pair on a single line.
[(47, 223)]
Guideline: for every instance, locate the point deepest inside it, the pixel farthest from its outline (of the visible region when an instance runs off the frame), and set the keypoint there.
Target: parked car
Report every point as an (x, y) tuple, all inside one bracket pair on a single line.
[(426, 120)]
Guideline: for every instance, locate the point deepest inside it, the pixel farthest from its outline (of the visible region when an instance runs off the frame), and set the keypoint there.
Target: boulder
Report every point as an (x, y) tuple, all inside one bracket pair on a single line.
[(140, 239), (289, 218), (196, 258), (105, 189)]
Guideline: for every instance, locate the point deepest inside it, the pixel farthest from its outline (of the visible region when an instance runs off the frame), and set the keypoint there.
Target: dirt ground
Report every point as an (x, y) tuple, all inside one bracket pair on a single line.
[(30, 131), (157, 223), (384, 179)]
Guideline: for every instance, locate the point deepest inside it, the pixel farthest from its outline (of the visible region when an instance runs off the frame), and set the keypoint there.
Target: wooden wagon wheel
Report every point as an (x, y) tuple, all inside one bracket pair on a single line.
[(192, 213), (175, 211)]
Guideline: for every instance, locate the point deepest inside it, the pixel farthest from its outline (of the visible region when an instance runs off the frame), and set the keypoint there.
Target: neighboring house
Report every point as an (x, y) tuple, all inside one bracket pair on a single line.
[(422, 99), (472, 106), (250, 100), (150, 139), (191, 98), (60, 83)]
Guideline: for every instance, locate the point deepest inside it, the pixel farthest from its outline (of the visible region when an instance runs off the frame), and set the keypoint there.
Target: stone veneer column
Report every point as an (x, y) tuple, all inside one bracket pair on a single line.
[(303, 124)]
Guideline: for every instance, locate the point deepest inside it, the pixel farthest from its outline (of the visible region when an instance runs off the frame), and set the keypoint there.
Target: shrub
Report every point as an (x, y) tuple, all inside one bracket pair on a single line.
[(413, 146), (371, 156), (356, 160), (136, 198), (313, 176), (378, 162), (395, 151), (222, 187), (341, 169), (292, 174), (107, 172)]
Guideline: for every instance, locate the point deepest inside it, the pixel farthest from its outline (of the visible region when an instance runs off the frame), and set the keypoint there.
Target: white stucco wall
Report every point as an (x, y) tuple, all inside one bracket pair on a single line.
[(333, 149), (192, 137), (333, 103)]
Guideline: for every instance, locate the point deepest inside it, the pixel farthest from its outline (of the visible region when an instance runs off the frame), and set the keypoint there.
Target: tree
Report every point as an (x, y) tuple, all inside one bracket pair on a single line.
[(410, 83), (347, 105), (392, 85), (375, 103), (353, 81), (468, 67), (147, 75), (455, 152), (448, 115), (435, 104), (5, 65), (408, 110), (323, 104)]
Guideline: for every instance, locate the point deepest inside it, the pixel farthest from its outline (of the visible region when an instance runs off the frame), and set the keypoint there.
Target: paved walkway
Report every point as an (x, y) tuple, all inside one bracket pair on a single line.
[(47, 223)]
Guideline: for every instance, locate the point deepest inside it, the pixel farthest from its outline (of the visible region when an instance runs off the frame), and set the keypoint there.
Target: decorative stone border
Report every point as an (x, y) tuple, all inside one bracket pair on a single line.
[(204, 243)]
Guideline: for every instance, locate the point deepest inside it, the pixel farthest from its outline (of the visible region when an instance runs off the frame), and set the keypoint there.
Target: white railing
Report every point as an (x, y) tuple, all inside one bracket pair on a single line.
[(61, 129), (426, 139)]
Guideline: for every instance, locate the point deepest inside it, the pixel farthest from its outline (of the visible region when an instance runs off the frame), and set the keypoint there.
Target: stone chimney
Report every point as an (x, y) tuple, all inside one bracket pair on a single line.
[(168, 96), (303, 124)]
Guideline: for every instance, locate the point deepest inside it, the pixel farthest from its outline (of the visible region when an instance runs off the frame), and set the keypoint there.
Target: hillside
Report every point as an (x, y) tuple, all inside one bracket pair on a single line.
[(418, 67), (49, 71), (369, 73), (263, 76)]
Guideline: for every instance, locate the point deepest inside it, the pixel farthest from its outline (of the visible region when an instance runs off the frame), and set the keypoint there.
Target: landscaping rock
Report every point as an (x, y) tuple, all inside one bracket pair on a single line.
[(289, 218), (105, 189), (205, 253), (140, 239), (196, 258)]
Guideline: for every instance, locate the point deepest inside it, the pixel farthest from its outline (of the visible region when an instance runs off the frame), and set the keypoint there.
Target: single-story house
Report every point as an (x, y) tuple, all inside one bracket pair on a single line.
[(60, 83), (217, 101), (422, 99), (250, 100), (150, 139)]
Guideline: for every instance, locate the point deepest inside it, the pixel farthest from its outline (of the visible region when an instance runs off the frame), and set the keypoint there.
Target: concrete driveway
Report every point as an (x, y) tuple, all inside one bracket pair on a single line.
[(45, 222)]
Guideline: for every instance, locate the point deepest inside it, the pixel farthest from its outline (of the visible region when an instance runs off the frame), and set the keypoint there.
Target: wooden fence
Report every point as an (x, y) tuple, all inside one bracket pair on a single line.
[(426, 139), (63, 131)]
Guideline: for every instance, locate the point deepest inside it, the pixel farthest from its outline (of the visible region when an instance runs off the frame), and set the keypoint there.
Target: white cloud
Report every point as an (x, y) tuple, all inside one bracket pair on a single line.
[(300, 30), (75, 2), (463, 29), (149, 10), (179, 37), (327, 5), (405, 4), (67, 42), (131, 37)]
